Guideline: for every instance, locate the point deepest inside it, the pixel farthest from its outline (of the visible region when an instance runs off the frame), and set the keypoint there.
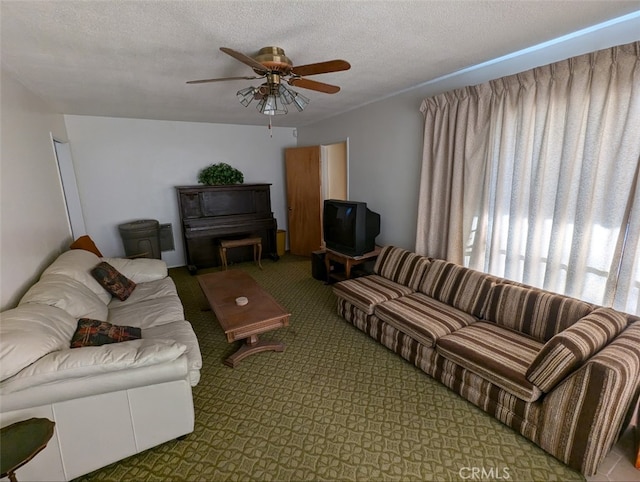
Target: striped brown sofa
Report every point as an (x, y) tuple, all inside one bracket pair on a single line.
[(561, 372)]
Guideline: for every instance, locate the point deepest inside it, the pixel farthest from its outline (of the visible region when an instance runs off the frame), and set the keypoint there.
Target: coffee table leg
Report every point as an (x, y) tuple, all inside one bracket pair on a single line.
[(251, 346)]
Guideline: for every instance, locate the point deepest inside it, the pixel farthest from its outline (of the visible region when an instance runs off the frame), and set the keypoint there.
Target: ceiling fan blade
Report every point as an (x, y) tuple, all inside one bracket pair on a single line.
[(321, 67), (245, 59), (313, 85), (204, 81)]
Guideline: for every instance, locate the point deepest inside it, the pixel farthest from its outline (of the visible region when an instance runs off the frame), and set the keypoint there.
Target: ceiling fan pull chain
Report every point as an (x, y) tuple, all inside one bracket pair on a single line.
[(270, 130)]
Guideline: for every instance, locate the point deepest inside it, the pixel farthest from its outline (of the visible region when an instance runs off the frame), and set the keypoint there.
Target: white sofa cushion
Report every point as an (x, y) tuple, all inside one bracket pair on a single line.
[(182, 332), (67, 294), (147, 313), (139, 270), (77, 264), (68, 389), (93, 360), (29, 332), (150, 290)]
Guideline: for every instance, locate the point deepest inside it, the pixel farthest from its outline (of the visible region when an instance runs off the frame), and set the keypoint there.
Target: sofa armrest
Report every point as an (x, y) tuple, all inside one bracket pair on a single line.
[(90, 361), (139, 270), (567, 350), (583, 416)]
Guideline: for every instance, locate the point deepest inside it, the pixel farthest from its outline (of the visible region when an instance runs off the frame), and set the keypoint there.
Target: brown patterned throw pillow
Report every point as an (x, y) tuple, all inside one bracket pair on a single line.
[(113, 281), (97, 333)]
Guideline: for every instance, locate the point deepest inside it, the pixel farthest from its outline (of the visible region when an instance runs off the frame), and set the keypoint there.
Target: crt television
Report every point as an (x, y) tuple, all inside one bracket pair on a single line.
[(349, 227)]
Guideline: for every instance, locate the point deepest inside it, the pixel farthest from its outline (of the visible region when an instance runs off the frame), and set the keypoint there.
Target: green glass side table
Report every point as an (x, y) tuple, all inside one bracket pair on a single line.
[(20, 442)]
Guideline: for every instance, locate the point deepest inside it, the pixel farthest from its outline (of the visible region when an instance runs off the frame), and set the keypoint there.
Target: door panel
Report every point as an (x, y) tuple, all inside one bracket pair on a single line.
[(70, 188), (304, 201), (336, 179)]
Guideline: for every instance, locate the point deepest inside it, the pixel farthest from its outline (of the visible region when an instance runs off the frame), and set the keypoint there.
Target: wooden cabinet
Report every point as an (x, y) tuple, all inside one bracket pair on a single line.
[(211, 213)]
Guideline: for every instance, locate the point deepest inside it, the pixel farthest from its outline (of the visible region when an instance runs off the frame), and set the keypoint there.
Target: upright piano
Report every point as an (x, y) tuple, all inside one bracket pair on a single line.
[(211, 213)]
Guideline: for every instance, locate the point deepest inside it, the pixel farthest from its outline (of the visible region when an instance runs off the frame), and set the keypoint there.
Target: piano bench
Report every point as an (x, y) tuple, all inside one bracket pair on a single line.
[(236, 243)]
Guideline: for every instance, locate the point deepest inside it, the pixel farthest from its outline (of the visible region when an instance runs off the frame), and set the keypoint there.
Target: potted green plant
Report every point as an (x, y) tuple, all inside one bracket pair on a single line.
[(220, 173)]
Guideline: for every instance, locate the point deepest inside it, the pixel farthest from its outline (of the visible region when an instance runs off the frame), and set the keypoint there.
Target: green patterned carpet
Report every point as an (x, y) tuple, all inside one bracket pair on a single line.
[(335, 405)]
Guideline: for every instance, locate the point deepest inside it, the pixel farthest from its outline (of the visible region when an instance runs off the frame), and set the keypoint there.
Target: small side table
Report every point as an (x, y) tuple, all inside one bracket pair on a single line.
[(348, 261), (21, 441), (236, 243)]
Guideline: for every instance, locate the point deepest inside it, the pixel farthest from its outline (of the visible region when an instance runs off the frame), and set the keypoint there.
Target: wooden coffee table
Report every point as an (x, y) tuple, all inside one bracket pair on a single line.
[(261, 314)]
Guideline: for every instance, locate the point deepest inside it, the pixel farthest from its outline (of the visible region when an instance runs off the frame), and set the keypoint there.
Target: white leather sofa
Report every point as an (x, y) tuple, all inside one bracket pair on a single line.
[(108, 402)]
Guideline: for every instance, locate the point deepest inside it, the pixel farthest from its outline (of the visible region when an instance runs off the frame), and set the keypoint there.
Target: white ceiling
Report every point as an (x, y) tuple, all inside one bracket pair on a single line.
[(131, 58)]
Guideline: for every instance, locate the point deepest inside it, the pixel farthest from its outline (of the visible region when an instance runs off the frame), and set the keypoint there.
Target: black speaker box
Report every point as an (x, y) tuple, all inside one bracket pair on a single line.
[(318, 268)]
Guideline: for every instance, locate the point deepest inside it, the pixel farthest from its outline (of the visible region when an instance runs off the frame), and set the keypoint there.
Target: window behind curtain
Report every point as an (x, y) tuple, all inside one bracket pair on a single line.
[(546, 190)]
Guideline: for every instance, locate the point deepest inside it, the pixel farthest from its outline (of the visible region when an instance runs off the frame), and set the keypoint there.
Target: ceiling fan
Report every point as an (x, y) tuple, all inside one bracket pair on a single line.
[(272, 65)]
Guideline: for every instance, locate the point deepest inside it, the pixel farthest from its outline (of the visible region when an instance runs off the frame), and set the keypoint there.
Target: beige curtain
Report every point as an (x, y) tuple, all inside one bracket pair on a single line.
[(533, 177)]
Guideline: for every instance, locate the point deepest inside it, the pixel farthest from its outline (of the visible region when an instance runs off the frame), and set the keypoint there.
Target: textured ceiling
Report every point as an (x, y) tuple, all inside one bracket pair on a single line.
[(132, 58)]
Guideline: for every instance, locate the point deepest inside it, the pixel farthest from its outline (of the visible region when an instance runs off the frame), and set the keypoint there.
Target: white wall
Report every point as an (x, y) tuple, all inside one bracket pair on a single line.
[(33, 219), (385, 137), (127, 169), (384, 162)]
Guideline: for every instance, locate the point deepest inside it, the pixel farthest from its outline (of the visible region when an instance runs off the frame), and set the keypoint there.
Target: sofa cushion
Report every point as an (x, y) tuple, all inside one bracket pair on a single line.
[(29, 332), (422, 318), (97, 333), (90, 361), (150, 290), (140, 270), (500, 355), (182, 332), (77, 264), (540, 314), (113, 281), (367, 291), (67, 294), (509, 409), (457, 286), (567, 350), (147, 313), (401, 266)]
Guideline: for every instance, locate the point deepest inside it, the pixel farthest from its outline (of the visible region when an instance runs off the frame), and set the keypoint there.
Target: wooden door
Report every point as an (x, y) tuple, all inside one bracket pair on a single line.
[(304, 200)]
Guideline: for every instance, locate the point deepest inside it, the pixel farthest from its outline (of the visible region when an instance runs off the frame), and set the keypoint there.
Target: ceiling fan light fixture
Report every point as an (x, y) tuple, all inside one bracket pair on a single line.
[(245, 96), (299, 100), (290, 96), (286, 94), (272, 105)]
